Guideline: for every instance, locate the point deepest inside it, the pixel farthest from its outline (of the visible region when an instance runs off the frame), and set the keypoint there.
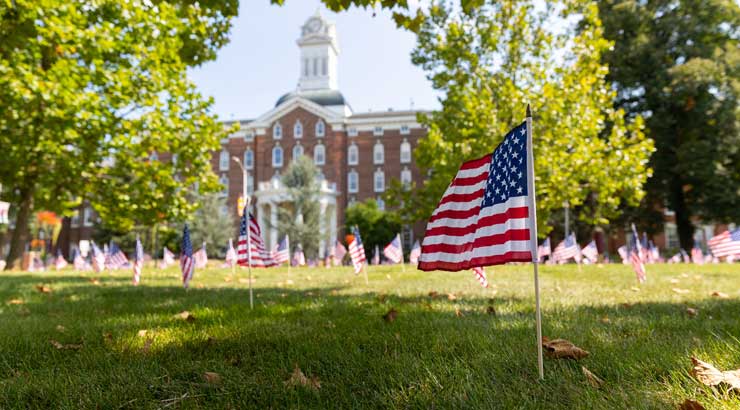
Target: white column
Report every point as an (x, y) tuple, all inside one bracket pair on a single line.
[(322, 227), (273, 224), (332, 225)]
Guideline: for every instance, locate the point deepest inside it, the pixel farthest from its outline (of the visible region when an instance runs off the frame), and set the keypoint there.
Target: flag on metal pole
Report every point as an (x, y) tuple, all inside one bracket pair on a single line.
[(726, 244), (591, 252), (636, 257), (98, 258), (339, 252), (230, 254), (545, 249), (281, 253), (393, 251), (376, 256), (78, 260), (168, 258), (201, 257), (115, 258), (567, 249), (357, 251), (697, 256), (187, 262), (299, 259), (138, 260), (415, 253), (59, 261)]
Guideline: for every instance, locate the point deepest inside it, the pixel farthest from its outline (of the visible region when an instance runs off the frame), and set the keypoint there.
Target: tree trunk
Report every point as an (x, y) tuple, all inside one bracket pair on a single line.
[(683, 217), (20, 233)]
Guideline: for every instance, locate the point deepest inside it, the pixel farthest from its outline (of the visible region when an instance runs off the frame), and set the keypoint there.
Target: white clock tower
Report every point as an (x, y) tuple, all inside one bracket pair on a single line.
[(319, 52)]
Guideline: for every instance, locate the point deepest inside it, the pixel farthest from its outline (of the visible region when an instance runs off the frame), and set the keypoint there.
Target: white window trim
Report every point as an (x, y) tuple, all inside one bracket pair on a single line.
[(248, 164), (378, 172), (406, 160), (357, 182), (293, 151), (223, 160), (378, 131), (381, 203), (377, 161), (406, 171), (405, 130), (356, 150), (87, 217), (352, 132), (320, 132), (298, 130), (224, 181), (277, 131), (282, 156), (316, 150)]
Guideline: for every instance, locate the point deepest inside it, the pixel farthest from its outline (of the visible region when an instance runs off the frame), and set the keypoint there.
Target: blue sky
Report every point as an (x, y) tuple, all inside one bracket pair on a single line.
[(261, 62)]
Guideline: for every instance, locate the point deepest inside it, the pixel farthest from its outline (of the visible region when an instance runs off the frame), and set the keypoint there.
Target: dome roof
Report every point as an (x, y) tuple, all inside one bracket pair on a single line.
[(321, 97)]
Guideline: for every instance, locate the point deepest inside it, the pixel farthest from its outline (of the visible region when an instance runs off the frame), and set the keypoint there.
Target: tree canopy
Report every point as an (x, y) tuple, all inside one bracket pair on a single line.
[(376, 226), (677, 63), (90, 90), (489, 62)]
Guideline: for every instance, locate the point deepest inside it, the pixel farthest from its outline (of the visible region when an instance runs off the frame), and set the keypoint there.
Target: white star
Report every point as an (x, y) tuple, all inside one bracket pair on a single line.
[(520, 175), (520, 160), (498, 190), (516, 139), (513, 169), (515, 155), (523, 131), (519, 190), (503, 196)]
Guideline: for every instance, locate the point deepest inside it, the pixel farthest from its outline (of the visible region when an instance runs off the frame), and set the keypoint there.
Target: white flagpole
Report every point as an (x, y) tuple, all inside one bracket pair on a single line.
[(533, 240)]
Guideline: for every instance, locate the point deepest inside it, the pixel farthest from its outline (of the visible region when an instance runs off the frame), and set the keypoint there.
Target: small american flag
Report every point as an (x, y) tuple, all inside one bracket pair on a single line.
[(59, 261), (685, 256), (591, 252), (328, 255), (357, 251), (281, 253), (201, 257), (187, 262), (98, 258), (567, 249), (115, 258), (415, 253), (697, 256), (250, 250), (79, 261), (393, 251), (480, 274), (675, 258), (168, 258), (545, 249), (299, 259), (484, 217), (376, 256), (339, 252), (726, 244), (624, 254), (636, 257), (138, 260), (654, 252), (231, 254)]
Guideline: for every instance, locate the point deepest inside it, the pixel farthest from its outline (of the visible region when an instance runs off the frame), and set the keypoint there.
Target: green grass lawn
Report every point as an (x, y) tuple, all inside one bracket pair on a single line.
[(439, 352)]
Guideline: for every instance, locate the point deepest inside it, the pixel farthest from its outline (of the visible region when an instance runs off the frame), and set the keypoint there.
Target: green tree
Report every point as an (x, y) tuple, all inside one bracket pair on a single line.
[(300, 216), (677, 63), (376, 226), (489, 62), (213, 224), (89, 90)]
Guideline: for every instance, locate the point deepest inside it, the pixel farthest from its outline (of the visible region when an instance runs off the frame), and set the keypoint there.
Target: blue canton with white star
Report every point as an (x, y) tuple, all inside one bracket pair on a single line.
[(508, 175)]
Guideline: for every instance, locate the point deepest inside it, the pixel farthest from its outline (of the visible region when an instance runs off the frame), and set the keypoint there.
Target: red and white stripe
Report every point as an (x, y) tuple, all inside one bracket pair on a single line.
[(723, 245), (637, 265), (357, 254), (260, 258)]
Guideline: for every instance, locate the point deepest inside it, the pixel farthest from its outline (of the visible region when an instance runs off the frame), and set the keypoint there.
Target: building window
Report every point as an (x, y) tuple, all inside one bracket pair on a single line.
[(277, 131), (249, 136), (87, 216), (379, 181), (378, 131), (75, 220), (324, 65), (249, 158), (223, 161), (405, 152), (305, 67), (277, 157), (353, 155), (153, 156), (381, 203), (406, 177), (297, 151), (352, 182), (352, 132), (671, 236), (320, 129), (316, 67), (319, 155), (378, 153), (224, 181), (298, 130), (404, 130)]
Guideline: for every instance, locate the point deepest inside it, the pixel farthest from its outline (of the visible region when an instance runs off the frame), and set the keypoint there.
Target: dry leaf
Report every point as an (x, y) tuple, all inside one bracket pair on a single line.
[(684, 275), (147, 345), (308, 277), (60, 328), (689, 404), (680, 291), (558, 289), (627, 305), (451, 296), (711, 376), (459, 312), (720, 295), (591, 378), (16, 302), (433, 294), (228, 279), (387, 276), (391, 315), (297, 378), (95, 281), (212, 377), (691, 311), (186, 316), (289, 282), (635, 289), (308, 294), (491, 310), (43, 288), (674, 281), (562, 349), (108, 336), (142, 333), (61, 346), (605, 320)]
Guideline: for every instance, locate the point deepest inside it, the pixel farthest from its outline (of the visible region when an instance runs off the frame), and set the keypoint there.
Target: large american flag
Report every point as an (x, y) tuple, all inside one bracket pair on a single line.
[(138, 260), (485, 216), (230, 254), (98, 258), (636, 257), (201, 257), (567, 249), (250, 251), (415, 253), (339, 252), (357, 250), (591, 251), (281, 253), (725, 244), (115, 258), (187, 262), (393, 251)]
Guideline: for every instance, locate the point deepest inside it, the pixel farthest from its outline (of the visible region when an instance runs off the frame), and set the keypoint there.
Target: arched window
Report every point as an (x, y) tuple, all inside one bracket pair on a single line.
[(223, 161), (319, 155), (224, 181), (277, 131), (298, 130), (379, 180), (277, 156), (378, 153), (320, 129), (249, 158), (352, 182), (405, 152), (297, 151), (353, 155), (406, 177)]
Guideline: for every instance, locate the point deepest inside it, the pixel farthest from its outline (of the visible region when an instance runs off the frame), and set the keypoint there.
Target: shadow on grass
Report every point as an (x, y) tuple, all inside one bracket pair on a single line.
[(436, 353)]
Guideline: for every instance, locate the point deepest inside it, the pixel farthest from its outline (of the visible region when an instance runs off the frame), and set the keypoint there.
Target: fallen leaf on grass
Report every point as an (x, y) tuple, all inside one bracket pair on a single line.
[(451, 296), (591, 378), (147, 345), (391, 315), (689, 404), (308, 294), (711, 376), (562, 349), (433, 294), (95, 281), (605, 320), (680, 291), (334, 292), (60, 346), (289, 282), (458, 312), (142, 333), (635, 289), (720, 295), (626, 305), (228, 279), (108, 336), (387, 276), (691, 311), (558, 289), (212, 377), (297, 378), (674, 281), (61, 328), (16, 302), (186, 316), (684, 275), (43, 288), (491, 310)]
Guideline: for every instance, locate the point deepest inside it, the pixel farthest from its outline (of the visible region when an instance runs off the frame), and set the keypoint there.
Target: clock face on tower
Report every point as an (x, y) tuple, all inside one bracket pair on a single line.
[(313, 26)]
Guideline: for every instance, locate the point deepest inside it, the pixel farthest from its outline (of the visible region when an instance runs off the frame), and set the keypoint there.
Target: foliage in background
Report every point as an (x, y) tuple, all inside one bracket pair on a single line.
[(489, 62), (89, 90), (677, 63), (212, 224), (377, 227), (299, 218)]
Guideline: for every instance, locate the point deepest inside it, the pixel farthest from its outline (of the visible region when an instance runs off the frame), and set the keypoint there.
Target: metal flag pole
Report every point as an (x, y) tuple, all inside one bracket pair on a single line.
[(245, 175), (533, 240)]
